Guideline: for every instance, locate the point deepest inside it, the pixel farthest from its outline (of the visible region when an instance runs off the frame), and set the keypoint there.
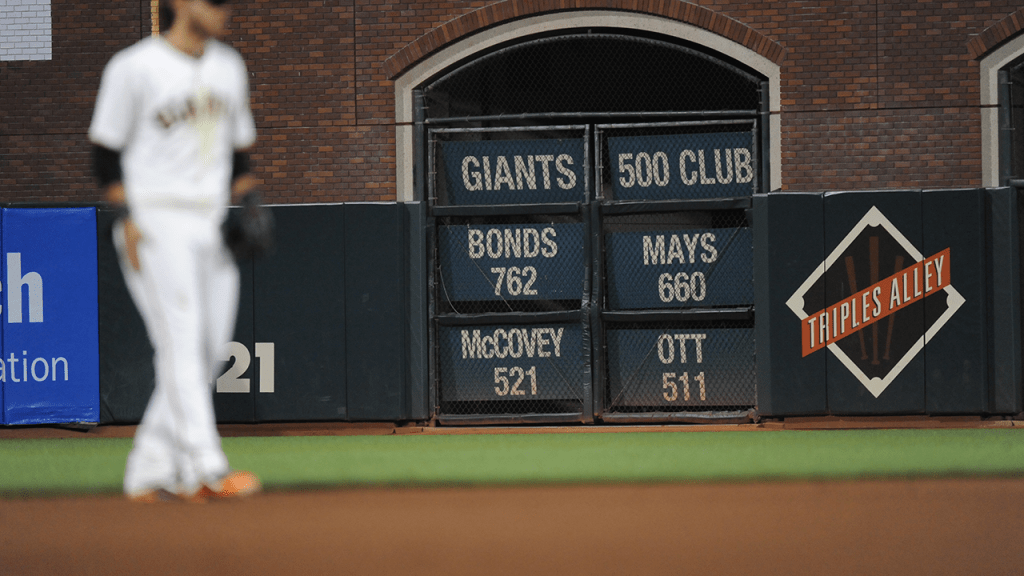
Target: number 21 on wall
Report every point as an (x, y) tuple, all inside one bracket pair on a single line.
[(232, 382)]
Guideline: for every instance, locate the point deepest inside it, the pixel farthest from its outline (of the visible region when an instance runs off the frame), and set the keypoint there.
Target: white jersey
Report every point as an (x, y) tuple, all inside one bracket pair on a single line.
[(176, 120)]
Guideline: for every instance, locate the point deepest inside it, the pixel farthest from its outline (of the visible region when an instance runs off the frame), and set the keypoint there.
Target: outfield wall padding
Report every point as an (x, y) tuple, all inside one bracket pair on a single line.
[(331, 323), (299, 317), (947, 265), (375, 311), (956, 357), (1004, 312), (860, 262), (126, 356), (789, 238), (49, 365)]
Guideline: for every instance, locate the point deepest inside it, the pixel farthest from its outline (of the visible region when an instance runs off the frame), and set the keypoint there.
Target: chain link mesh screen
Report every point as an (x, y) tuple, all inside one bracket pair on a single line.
[(544, 121), (1016, 104), (508, 165), (686, 259), (592, 71), (674, 366), (514, 368), (503, 264), (677, 161)]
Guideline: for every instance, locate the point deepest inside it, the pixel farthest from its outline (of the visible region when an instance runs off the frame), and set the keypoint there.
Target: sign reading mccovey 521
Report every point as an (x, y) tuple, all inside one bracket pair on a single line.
[(511, 362)]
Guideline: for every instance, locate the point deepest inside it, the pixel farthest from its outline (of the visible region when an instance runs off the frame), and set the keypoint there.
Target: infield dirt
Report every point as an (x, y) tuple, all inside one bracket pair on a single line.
[(953, 526), (941, 526)]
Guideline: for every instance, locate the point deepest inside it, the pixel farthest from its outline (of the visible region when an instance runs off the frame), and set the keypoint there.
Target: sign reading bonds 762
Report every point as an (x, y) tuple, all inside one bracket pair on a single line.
[(512, 261)]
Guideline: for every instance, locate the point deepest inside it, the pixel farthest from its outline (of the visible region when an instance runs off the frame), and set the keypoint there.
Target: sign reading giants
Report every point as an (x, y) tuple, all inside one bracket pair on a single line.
[(514, 171), (874, 318)]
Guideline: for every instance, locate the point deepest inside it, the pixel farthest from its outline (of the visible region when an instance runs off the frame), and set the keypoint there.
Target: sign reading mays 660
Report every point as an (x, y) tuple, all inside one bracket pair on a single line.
[(514, 171), (682, 166), (683, 268)]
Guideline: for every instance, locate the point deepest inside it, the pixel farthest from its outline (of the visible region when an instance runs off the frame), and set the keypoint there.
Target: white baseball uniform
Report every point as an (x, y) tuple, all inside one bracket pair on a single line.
[(177, 120)]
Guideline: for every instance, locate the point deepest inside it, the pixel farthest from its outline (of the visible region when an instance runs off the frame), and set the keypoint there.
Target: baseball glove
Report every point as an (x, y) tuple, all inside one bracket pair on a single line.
[(249, 231)]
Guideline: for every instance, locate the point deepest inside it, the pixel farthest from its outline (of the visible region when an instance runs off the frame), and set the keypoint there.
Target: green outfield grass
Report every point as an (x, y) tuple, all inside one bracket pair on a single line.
[(96, 465)]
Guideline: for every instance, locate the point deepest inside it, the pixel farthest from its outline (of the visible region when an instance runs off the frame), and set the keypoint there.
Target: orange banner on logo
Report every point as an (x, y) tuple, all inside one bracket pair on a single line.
[(875, 302)]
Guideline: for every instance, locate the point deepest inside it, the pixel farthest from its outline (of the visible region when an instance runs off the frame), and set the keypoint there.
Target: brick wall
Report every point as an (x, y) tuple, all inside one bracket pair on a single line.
[(46, 105), (874, 94), (878, 94)]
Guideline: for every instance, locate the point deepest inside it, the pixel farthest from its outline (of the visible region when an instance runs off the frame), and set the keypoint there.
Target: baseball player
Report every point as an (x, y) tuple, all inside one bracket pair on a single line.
[(171, 124)]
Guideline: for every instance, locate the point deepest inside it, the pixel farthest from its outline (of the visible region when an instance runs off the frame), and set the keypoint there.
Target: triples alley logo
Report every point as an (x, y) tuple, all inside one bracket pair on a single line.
[(875, 301)]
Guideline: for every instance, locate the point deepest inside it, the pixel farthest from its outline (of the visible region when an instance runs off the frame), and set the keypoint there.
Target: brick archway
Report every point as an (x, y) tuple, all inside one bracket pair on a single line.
[(510, 10), (508, 20), (995, 48), (996, 34)]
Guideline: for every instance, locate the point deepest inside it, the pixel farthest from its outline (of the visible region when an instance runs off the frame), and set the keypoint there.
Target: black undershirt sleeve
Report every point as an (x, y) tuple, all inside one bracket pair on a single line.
[(239, 164), (106, 165)]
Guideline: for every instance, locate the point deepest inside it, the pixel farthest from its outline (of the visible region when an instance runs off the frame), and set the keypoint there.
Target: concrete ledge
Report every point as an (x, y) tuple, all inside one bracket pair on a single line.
[(391, 428)]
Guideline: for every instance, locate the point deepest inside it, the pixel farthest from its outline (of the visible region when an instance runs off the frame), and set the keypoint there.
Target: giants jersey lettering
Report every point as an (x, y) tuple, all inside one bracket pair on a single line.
[(176, 120)]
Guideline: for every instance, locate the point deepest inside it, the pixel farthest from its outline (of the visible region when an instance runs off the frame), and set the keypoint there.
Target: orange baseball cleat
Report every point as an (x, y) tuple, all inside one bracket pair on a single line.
[(238, 484)]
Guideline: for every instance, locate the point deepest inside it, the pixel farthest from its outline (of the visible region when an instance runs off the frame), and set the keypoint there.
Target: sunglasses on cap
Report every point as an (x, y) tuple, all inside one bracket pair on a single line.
[(217, 2)]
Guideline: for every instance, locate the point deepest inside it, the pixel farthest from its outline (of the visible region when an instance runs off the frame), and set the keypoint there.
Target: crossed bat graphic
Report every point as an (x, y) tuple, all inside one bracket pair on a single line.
[(851, 273)]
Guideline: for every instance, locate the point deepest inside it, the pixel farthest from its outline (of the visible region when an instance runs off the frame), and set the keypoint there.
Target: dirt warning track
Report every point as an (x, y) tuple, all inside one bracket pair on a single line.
[(945, 526)]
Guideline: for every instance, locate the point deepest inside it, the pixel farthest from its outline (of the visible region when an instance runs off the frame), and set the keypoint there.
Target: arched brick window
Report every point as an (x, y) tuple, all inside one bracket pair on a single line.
[(1000, 50), (479, 93)]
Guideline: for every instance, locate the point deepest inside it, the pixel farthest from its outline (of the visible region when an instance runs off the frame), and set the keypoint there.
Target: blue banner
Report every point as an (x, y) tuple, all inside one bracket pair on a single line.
[(512, 362), (50, 362), (681, 367), (680, 268), (515, 171), (682, 166), (512, 262)]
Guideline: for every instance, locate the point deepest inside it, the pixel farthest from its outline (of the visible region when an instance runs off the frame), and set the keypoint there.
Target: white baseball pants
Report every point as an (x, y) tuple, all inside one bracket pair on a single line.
[(186, 291)]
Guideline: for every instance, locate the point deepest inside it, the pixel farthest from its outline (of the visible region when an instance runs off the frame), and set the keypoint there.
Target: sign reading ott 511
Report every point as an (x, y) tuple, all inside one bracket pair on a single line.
[(681, 367)]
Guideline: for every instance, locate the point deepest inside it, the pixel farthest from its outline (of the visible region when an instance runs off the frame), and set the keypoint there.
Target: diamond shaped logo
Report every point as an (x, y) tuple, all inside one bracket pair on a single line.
[(865, 302)]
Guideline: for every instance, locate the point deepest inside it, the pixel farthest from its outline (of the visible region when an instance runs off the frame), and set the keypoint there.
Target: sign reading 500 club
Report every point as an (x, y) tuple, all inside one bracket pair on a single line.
[(682, 166), (514, 171)]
